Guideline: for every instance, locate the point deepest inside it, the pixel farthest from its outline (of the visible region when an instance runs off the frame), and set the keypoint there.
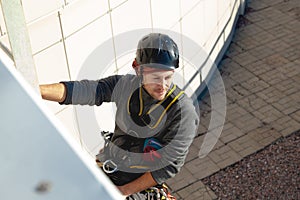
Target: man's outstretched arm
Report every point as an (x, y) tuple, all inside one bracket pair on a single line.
[(53, 92)]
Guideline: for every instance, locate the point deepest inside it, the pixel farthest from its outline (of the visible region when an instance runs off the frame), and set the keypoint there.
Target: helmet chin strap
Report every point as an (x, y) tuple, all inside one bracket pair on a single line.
[(141, 74)]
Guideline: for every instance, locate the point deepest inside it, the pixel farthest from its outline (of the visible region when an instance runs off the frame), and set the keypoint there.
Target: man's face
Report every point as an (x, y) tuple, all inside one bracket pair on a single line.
[(157, 82)]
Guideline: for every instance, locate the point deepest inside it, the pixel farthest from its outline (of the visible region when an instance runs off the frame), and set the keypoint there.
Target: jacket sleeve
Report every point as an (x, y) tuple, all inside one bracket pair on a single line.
[(179, 137), (90, 92)]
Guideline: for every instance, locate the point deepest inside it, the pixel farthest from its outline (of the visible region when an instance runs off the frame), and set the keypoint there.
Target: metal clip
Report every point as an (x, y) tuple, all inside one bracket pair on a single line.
[(109, 167)]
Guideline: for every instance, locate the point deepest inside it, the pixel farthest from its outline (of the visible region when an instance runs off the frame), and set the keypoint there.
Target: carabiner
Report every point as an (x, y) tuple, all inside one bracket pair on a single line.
[(109, 167)]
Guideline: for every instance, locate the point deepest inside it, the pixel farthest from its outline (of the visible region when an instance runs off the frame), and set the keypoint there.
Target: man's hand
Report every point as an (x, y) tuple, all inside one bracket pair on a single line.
[(140, 184)]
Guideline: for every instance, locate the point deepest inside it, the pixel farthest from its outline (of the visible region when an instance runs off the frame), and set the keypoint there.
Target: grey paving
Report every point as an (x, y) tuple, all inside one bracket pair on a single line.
[(261, 73)]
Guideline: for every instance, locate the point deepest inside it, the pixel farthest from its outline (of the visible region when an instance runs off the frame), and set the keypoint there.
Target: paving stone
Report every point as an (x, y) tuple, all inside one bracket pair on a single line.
[(296, 115), (237, 92), (256, 5), (202, 167), (241, 74), (294, 12), (183, 178), (245, 57), (293, 25), (267, 114), (224, 156), (291, 54), (260, 67), (271, 2), (287, 104), (273, 77), (272, 14), (260, 52), (286, 125), (198, 185), (279, 31), (233, 50), (246, 141), (235, 111), (284, 18), (270, 95), (251, 103), (263, 37), (263, 136), (196, 191), (255, 85), (246, 122), (246, 44), (193, 153), (228, 81), (286, 7), (231, 134), (277, 60), (266, 24), (278, 46), (229, 65), (290, 70), (250, 30)]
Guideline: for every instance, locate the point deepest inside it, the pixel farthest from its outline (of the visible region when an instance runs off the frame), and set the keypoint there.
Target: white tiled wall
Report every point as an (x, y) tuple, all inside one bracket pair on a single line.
[(87, 24)]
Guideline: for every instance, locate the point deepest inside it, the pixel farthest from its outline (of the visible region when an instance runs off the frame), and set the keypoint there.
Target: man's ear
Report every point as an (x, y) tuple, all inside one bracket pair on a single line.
[(136, 67)]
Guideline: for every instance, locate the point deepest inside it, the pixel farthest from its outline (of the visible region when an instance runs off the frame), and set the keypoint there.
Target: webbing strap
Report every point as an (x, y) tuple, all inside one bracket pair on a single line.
[(144, 119)]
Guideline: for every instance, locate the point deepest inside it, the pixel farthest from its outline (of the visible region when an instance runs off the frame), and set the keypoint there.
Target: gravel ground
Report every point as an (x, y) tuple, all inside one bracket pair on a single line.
[(272, 173)]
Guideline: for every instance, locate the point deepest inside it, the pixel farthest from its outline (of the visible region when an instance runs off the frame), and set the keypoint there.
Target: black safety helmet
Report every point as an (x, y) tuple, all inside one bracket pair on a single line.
[(157, 50)]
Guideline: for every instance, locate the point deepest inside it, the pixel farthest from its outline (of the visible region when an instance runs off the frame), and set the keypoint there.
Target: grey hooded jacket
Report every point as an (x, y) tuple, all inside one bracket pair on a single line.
[(173, 122)]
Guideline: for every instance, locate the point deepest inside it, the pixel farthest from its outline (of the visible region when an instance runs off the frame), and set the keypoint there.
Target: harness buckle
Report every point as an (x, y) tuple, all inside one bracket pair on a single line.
[(109, 167)]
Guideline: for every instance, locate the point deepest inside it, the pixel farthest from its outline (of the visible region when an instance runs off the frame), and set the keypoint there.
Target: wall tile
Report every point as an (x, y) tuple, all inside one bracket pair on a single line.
[(44, 33), (80, 13), (35, 9), (51, 65), (134, 14), (87, 54), (166, 14)]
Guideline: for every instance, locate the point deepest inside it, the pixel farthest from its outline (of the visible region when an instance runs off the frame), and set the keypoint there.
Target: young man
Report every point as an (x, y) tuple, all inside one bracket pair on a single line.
[(155, 121)]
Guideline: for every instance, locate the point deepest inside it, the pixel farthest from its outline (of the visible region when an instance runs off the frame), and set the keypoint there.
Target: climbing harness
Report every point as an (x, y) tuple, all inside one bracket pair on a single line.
[(144, 119), (159, 192)]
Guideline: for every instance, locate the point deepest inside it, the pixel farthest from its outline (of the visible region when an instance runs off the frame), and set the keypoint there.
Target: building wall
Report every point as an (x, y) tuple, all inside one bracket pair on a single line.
[(65, 33)]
